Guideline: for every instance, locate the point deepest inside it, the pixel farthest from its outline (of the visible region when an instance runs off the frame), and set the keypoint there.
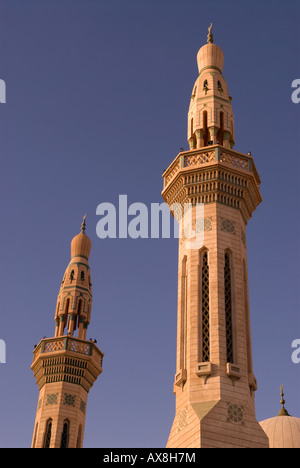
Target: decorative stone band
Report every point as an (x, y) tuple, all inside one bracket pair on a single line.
[(52, 399)]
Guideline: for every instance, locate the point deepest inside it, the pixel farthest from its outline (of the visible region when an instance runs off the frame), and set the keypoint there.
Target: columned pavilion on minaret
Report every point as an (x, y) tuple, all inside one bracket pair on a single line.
[(67, 365), (214, 382)]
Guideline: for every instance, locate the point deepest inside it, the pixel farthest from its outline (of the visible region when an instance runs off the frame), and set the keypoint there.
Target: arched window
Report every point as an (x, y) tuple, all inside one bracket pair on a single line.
[(57, 319), (48, 433), (204, 304), (82, 275), (192, 127), (67, 308), (64, 441), (228, 308), (205, 129), (79, 310), (221, 129), (89, 310)]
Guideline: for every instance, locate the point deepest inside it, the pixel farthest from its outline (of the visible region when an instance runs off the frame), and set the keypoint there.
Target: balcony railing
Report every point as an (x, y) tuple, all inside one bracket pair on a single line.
[(207, 156), (70, 343)]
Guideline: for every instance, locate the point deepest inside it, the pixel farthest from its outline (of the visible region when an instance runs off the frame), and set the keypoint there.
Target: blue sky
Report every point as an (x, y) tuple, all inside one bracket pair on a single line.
[(97, 100)]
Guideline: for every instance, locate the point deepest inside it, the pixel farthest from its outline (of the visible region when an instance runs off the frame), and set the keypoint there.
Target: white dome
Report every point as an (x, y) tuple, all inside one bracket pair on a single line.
[(283, 431)]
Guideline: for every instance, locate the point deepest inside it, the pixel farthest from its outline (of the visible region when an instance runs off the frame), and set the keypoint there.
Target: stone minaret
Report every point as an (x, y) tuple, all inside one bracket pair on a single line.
[(214, 381), (67, 365)]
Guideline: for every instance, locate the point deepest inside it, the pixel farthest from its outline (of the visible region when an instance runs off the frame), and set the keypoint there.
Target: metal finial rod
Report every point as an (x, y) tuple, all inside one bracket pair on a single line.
[(283, 411), (210, 37), (282, 401), (83, 225)]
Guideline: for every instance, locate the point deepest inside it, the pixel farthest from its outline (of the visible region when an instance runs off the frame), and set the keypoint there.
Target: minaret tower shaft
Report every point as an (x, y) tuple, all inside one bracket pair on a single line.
[(67, 365), (214, 381)]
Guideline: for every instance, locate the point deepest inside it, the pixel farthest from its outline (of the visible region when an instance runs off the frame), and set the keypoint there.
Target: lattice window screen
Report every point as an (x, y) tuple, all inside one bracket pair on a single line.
[(205, 309), (228, 309)]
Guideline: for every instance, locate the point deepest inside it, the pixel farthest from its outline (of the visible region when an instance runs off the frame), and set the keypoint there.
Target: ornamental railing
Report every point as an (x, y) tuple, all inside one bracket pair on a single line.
[(50, 345), (213, 154)]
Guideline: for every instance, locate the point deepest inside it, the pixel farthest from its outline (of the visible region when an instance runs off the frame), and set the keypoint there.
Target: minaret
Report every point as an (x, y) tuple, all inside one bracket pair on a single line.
[(214, 381), (67, 365)]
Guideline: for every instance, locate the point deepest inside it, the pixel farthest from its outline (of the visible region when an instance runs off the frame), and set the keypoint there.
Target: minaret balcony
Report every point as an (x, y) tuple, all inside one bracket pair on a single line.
[(207, 156), (67, 359), (213, 174)]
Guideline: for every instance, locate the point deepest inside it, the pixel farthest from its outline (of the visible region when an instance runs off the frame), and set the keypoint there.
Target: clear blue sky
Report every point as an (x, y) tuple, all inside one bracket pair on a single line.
[(97, 100)]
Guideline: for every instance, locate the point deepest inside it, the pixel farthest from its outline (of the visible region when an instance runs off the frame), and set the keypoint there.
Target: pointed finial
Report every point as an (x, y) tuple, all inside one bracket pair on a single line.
[(283, 411), (210, 37), (83, 225)]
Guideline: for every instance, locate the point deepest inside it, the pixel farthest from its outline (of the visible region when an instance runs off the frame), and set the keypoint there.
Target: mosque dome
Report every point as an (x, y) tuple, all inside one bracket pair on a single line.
[(210, 55), (283, 430), (81, 244)]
